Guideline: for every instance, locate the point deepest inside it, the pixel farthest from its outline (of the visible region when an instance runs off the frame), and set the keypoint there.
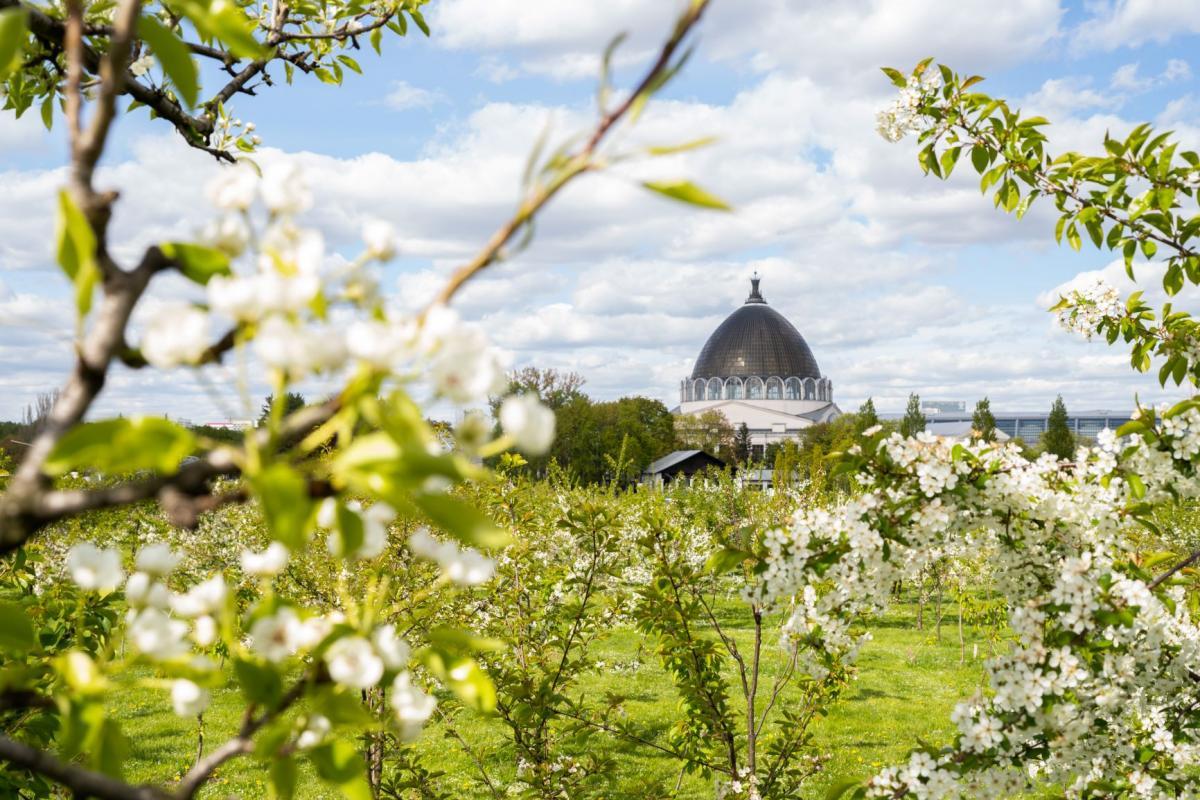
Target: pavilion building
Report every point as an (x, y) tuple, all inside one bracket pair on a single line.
[(757, 370)]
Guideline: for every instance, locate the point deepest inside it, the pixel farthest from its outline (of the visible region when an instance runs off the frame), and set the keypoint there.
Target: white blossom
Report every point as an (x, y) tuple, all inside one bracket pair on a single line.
[(466, 566), (284, 189), (315, 731), (203, 598), (391, 648), (177, 333), (141, 65), (143, 590), (268, 563), (204, 631), (157, 559), (234, 188), (528, 422), (412, 706), (229, 233), (93, 569), (156, 635), (380, 240), (353, 662), (276, 637), (188, 698)]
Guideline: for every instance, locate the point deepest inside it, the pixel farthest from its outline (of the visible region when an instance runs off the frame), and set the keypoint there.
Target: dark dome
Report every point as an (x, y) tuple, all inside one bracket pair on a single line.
[(756, 340)]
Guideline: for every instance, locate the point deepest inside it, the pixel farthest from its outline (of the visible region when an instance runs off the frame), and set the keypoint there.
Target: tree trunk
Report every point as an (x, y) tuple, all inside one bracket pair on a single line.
[(962, 643)]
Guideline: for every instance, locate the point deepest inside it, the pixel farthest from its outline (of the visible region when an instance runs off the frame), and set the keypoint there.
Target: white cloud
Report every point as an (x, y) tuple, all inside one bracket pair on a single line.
[(837, 42), (869, 259), (1127, 79), (1132, 23), (403, 96)]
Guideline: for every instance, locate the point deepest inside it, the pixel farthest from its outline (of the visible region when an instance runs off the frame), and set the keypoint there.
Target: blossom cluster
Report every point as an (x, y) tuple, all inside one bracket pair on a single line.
[(175, 629), (305, 317), (1085, 310), (904, 114), (1098, 689)]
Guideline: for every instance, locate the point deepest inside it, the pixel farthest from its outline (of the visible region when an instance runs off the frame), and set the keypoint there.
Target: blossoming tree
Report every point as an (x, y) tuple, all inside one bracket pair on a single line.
[(1099, 695), (331, 475)]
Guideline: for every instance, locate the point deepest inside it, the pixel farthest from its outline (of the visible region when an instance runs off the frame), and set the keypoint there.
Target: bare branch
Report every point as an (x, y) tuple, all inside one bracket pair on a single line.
[(1187, 562), (243, 742), (83, 782)]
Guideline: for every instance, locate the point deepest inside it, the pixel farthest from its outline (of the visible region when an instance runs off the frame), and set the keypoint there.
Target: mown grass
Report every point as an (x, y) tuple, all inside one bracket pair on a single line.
[(907, 684)]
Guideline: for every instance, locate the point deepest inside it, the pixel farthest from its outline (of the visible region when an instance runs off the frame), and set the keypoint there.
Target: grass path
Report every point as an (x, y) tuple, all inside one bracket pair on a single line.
[(906, 687)]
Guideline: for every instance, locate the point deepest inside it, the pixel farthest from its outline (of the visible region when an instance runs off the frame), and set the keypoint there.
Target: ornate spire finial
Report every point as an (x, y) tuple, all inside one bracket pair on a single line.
[(755, 295)]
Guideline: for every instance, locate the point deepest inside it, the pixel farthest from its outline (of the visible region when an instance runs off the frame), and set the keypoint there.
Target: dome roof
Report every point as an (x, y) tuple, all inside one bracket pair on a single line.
[(756, 340)]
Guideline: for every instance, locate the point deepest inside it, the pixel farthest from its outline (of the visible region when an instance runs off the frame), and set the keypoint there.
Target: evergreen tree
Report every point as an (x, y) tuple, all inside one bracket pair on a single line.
[(867, 418), (1058, 438), (741, 444), (983, 423), (292, 401), (914, 421)]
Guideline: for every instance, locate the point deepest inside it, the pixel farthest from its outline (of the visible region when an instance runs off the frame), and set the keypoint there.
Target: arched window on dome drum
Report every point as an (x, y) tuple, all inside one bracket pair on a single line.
[(698, 389), (810, 389), (792, 389), (754, 389), (826, 389), (733, 389), (774, 389), (714, 388)]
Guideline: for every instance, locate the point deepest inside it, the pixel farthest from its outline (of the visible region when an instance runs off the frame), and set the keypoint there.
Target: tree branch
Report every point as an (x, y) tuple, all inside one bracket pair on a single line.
[(82, 781)]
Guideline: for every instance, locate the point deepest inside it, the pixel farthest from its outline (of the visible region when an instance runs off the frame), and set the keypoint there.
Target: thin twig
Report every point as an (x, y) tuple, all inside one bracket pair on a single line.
[(575, 164)]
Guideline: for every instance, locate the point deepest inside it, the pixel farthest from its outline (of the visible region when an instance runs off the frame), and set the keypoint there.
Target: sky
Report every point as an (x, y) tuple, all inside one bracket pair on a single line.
[(899, 282)]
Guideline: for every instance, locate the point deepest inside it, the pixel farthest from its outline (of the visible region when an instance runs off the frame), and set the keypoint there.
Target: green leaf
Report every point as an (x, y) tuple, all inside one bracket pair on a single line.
[(670, 149), (48, 112), (840, 788), (259, 682), (896, 76), (14, 23), (980, 158), (220, 19), (173, 56), (122, 445), (76, 249), (420, 20), (351, 63), (16, 631), (376, 39), (726, 559), (196, 262), (339, 763), (286, 504), (461, 520), (464, 677), (687, 192), (283, 778)]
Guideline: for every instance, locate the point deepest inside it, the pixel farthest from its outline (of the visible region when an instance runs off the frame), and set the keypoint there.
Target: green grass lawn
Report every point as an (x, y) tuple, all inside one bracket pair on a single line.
[(907, 684)]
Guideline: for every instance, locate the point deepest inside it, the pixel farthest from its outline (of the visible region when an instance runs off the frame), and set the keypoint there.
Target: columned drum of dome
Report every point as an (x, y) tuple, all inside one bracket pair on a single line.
[(757, 370)]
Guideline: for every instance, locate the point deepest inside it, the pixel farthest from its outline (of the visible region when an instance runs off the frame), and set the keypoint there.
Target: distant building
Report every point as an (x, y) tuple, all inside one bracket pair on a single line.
[(757, 370), (940, 407), (1030, 425), (680, 464), (957, 429), (231, 424)]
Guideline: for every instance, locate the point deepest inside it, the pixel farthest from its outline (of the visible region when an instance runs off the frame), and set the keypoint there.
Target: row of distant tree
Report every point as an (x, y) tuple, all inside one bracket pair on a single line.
[(1058, 437), (615, 440)]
